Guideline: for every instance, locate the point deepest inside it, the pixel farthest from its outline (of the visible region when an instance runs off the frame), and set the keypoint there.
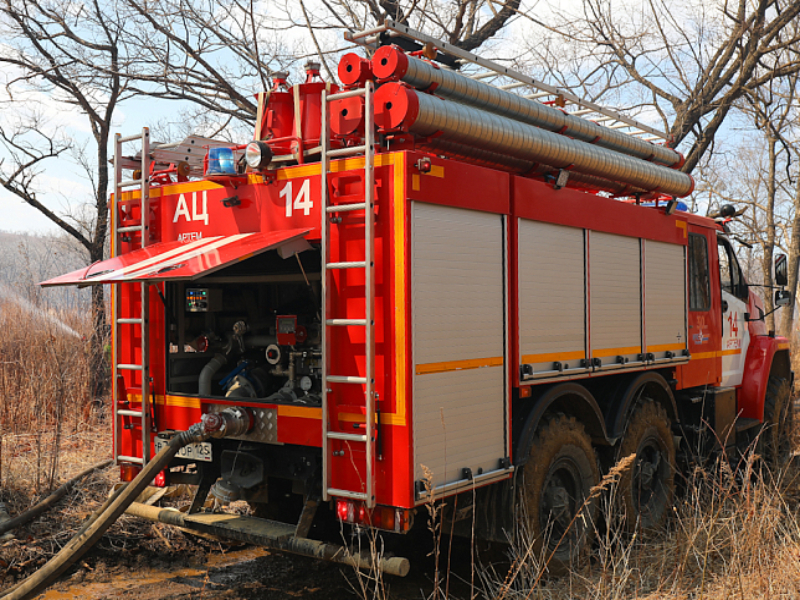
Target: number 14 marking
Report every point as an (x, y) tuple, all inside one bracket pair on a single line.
[(302, 201), (733, 319)]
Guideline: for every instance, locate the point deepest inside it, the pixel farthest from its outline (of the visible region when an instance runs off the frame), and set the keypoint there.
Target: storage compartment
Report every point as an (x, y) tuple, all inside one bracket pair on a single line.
[(251, 330)]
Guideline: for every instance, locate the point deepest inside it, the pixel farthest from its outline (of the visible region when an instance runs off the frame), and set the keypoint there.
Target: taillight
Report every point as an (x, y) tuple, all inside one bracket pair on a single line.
[(128, 472), (160, 480), (382, 517), (345, 511), (387, 518)]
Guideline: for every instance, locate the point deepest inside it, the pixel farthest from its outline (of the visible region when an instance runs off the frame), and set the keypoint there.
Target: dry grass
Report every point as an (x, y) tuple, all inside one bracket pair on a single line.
[(50, 428), (732, 535), (44, 368), (26, 461)]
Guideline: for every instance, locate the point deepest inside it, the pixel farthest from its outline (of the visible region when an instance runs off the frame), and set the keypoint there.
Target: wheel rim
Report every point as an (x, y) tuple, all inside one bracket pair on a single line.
[(650, 471), (561, 498)]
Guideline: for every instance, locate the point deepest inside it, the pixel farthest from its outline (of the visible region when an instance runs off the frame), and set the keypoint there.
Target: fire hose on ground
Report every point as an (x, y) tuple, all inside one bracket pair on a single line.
[(49, 502), (228, 423), (113, 508)]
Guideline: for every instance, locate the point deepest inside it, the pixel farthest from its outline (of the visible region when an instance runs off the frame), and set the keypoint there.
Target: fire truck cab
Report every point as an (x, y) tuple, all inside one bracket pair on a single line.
[(413, 291)]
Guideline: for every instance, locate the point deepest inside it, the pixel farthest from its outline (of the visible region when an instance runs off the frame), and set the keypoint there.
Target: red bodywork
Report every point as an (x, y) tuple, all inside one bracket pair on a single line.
[(196, 228)]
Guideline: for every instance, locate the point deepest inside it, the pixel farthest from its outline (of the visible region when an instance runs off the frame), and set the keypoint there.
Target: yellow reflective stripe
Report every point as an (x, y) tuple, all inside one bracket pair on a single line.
[(459, 365), (300, 412), (716, 354)]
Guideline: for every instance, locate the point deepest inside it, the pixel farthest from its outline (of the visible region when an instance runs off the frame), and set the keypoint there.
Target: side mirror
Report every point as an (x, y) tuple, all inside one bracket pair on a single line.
[(781, 270), (783, 298)]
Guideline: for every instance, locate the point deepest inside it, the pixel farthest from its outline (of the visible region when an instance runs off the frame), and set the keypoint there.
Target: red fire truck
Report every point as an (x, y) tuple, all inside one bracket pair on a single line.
[(422, 284)]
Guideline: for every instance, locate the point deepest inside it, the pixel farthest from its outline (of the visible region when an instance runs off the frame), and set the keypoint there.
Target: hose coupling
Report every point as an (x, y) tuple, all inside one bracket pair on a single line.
[(230, 422), (194, 435)]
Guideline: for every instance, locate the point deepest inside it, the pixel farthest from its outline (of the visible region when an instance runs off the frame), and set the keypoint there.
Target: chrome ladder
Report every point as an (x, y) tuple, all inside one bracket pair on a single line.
[(333, 324), (141, 321)]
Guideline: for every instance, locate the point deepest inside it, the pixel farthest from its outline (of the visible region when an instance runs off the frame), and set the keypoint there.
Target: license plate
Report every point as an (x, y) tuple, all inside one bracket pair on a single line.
[(201, 451)]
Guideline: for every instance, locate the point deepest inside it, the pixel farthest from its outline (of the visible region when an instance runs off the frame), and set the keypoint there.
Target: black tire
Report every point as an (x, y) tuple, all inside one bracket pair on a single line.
[(557, 481), (775, 438), (646, 489)]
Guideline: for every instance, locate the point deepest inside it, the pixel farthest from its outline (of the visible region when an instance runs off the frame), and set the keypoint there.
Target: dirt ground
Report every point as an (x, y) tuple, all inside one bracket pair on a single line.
[(140, 560), (166, 564)]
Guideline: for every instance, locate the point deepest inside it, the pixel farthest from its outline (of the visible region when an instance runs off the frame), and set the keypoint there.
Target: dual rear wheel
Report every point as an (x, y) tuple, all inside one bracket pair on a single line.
[(561, 479)]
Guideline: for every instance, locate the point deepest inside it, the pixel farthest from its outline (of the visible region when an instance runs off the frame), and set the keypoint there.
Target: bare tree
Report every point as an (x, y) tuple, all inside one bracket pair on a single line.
[(771, 107), (690, 62), (213, 56), (761, 172), (787, 322), (467, 24), (69, 51)]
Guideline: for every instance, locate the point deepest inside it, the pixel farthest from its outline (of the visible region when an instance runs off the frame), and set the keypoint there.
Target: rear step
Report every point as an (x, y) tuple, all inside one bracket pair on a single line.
[(272, 534)]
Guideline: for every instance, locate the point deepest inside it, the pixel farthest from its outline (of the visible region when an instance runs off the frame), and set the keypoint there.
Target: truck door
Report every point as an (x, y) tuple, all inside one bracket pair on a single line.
[(704, 311), (735, 335)]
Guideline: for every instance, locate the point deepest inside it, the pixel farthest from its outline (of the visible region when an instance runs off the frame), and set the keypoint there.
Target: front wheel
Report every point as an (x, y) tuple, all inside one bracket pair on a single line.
[(645, 489), (557, 485), (774, 442)]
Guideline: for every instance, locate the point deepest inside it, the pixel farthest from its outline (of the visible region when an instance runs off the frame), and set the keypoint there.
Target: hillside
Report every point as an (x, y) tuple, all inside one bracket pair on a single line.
[(28, 259)]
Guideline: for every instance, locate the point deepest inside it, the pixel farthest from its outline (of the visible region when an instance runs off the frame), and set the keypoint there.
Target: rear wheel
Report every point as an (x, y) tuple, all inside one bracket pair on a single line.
[(558, 478), (646, 489), (775, 440)]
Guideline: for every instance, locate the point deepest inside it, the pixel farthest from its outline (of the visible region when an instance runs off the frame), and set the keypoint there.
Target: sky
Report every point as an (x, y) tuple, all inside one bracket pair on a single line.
[(62, 184)]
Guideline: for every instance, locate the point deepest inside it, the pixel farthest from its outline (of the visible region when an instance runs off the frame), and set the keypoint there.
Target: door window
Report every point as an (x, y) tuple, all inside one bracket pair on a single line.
[(699, 288), (730, 274)]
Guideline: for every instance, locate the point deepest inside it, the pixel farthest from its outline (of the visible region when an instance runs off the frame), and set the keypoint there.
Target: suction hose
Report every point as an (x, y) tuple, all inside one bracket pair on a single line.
[(208, 372), (229, 422)]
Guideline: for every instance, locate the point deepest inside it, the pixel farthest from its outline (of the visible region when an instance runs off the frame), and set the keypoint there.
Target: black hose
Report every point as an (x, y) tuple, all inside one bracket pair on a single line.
[(102, 519), (212, 366)]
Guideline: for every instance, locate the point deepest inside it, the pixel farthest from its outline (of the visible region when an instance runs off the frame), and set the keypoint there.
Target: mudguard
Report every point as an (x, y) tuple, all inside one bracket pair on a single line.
[(571, 399), (764, 355), (617, 416)]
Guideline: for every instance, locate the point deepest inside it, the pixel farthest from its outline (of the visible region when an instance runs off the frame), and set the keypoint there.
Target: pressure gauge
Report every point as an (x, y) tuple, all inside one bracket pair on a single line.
[(305, 383)]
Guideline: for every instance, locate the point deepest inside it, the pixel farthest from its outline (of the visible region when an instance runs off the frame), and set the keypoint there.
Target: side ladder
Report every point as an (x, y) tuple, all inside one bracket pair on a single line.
[(141, 320), (334, 323)]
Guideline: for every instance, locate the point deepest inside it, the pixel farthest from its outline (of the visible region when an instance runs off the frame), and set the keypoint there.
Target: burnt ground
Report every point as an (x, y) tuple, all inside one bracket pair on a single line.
[(144, 561), (137, 559)]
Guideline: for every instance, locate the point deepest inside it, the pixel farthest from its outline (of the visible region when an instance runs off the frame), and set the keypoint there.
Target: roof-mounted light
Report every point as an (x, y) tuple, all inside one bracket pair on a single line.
[(258, 155)]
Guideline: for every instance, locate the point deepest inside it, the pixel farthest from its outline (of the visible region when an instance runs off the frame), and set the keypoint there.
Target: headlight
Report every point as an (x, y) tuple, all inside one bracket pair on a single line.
[(258, 155)]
